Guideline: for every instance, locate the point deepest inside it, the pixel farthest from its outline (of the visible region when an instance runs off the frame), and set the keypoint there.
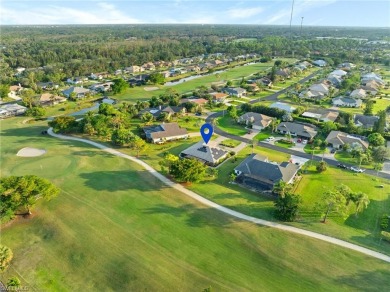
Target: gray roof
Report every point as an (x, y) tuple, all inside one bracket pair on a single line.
[(365, 121), (164, 131), (346, 100), (236, 90), (209, 153), (298, 129), (255, 118), (256, 166), (341, 138), (77, 90)]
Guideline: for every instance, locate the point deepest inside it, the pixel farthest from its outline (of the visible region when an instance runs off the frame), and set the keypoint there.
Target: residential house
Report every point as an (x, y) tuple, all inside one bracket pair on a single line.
[(98, 76), (369, 90), (372, 77), (315, 91), (347, 66), (15, 91), (47, 85), (372, 84), (76, 80), (170, 110), (216, 62), (339, 72), (358, 94), (198, 101), (283, 106), (209, 153), (134, 69), (264, 81), (139, 80), (297, 130), (149, 66), (238, 91), (80, 92), (50, 99), (12, 109), (338, 139), (334, 80), (346, 102), (321, 115), (366, 122), (319, 63), (219, 96), (258, 121), (102, 87), (284, 73), (257, 172), (165, 132)]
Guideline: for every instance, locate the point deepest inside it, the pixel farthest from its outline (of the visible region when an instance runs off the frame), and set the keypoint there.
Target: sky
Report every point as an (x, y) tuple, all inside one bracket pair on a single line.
[(277, 12)]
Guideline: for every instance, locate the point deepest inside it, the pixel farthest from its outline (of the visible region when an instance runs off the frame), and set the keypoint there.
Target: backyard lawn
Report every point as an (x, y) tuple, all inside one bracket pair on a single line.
[(227, 124), (114, 227)]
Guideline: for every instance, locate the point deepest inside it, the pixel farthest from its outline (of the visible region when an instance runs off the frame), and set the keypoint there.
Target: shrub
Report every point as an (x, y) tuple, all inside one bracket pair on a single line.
[(386, 235), (384, 223)]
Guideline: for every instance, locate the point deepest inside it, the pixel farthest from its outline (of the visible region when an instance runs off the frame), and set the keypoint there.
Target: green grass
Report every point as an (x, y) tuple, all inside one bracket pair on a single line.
[(346, 157), (284, 144), (230, 143), (227, 124), (115, 227), (138, 93), (263, 135), (317, 150)]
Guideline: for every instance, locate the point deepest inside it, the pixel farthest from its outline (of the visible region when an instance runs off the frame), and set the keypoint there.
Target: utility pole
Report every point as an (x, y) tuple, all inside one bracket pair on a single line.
[(292, 10), (301, 26)]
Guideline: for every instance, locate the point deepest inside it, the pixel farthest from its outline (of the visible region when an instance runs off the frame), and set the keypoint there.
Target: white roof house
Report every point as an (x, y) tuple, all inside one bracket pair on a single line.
[(338, 72), (358, 93), (319, 87), (319, 63)]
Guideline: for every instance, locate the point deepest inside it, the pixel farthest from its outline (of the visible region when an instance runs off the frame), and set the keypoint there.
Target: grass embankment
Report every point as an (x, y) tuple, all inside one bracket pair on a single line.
[(115, 227)]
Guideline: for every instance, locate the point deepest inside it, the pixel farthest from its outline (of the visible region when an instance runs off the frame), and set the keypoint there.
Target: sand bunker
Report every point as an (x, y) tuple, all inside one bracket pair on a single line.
[(30, 152), (150, 88)]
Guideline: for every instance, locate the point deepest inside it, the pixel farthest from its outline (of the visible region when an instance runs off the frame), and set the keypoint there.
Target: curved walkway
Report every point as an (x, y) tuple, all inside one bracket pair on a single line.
[(225, 210)]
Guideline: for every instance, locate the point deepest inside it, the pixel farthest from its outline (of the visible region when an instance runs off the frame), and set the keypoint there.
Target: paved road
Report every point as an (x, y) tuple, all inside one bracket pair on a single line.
[(281, 149), (225, 210)]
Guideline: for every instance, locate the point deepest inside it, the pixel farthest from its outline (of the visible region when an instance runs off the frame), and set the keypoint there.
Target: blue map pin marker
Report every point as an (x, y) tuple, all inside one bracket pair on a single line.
[(206, 136)]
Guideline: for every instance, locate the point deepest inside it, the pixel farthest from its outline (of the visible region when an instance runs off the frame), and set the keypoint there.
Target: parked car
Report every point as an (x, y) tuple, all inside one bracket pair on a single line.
[(342, 166), (356, 169), (269, 139), (198, 114), (333, 151), (249, 132), (304, 142), (299, 140)]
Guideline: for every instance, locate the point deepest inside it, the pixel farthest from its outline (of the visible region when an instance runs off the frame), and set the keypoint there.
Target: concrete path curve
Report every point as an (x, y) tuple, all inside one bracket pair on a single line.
[(225, 210)]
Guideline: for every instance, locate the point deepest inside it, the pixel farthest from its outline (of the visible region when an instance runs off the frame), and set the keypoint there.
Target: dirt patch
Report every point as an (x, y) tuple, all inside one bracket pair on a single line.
[(30, 152), (151, 88)]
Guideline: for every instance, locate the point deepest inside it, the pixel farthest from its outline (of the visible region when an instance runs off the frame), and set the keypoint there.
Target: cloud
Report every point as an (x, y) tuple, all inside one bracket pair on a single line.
[(101, 13), (244, 12), (282, 16)]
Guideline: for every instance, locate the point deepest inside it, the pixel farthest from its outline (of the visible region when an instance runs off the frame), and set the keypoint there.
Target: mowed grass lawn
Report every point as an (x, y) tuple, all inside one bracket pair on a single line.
[(227, 124), (116, 228), (139, 93)]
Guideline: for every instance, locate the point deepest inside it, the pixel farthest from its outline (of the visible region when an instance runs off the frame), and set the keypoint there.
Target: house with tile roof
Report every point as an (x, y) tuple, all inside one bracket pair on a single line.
[(297, 130), (165, 132), (346, 102), (257, 121), (209, 153), (338, 139), (257, 172)]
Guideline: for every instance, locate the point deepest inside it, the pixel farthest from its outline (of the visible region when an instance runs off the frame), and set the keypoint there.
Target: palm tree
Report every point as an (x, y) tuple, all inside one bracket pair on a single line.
[(361, 202)]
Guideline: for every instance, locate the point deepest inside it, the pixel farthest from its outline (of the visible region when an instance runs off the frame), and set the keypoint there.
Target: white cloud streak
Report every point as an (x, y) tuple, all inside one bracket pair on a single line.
[(238, 13)]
